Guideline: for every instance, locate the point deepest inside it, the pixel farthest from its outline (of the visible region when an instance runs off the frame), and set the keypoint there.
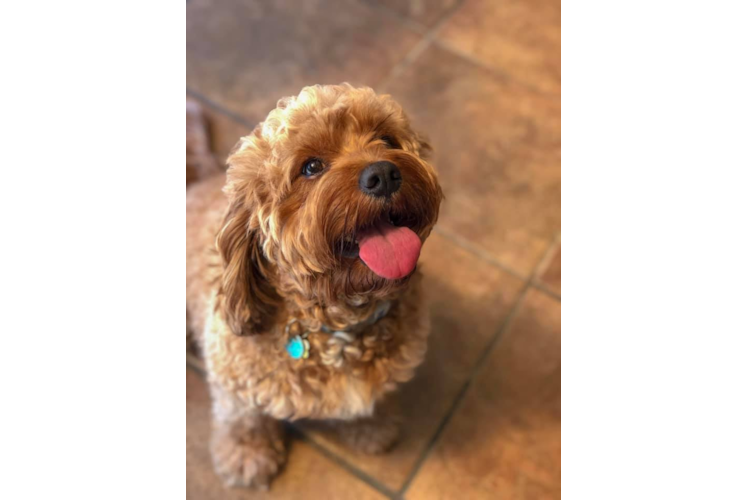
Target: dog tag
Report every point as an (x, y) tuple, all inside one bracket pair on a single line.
[(298, 347)]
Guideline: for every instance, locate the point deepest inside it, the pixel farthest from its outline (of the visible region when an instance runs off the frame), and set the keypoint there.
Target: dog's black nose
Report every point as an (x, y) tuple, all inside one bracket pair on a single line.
[(380, 179)]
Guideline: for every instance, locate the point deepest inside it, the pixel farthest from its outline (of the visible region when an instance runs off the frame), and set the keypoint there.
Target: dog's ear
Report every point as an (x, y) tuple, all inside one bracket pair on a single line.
[(249, 301)]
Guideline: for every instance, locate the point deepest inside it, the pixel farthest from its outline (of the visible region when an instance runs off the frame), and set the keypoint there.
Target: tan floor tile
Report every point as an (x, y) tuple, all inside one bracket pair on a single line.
[(425, 12), (225, 133), (246, 55), (306, 475), (497, 150), (469, 301), (551, 277), (521, 38), (505, 440)]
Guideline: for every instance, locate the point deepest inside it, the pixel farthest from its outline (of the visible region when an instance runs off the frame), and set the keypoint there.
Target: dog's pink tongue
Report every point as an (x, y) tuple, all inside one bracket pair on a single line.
[(389, 251)]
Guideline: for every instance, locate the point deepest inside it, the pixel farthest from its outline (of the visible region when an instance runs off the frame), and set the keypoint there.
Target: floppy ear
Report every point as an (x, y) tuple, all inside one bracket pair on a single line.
[(249, 300)]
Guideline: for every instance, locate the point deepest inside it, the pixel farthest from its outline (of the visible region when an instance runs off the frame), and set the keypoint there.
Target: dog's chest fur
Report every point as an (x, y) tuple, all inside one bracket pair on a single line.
[(341, 378)]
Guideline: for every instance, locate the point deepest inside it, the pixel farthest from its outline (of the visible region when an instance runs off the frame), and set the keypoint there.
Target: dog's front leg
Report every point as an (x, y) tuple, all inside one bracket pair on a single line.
[(248, 448)]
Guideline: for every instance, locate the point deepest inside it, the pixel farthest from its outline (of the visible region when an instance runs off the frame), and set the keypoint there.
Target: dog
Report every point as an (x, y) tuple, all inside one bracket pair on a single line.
[(302, 288)]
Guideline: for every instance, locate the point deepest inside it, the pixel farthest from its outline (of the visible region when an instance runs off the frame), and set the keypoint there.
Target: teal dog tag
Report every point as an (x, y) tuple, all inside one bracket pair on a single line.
[(298, 347)]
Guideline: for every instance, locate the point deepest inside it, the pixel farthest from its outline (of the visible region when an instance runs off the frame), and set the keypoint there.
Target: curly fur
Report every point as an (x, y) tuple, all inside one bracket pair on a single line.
[(266, 253)]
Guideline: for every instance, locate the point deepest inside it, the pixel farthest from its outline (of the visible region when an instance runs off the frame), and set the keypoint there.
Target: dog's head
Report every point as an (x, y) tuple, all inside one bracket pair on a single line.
[(330, 200)]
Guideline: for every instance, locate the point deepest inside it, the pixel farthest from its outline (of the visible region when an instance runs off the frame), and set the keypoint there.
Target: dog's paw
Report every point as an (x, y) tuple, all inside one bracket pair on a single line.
[(251, 461), (372, 436)]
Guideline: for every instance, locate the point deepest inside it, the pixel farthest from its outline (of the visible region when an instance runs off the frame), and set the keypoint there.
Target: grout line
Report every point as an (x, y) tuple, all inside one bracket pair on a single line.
[(429, 36), (195, 367), (448, 14), (542, 266), (195, 364), (412, 24), (486, 256), (342, 463), (220, 109), (407, 22), (547, 257), (467, 56), (494, 71), (398, 68), (477, 251), (457, 403), (542, 287)]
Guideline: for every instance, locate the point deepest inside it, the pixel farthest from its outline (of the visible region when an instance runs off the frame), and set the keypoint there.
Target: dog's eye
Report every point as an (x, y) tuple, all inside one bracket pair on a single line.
[(390, 142), (312, 167)]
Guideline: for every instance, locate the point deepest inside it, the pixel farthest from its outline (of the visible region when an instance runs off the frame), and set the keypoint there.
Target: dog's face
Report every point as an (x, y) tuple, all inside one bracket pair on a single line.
[(330, 200)]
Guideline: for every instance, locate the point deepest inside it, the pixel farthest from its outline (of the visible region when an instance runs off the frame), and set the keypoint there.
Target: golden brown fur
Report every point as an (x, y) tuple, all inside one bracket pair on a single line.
[(266, 252)]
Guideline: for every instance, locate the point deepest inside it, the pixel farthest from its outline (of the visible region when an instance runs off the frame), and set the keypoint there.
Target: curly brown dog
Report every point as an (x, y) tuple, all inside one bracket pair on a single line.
[(302, 289)]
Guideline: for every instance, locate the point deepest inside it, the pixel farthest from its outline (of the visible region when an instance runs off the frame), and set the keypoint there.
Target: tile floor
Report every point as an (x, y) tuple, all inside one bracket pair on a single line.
[(482, 79)]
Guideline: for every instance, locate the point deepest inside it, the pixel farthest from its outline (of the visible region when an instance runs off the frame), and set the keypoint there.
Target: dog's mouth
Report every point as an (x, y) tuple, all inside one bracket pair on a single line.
[(388, 246)]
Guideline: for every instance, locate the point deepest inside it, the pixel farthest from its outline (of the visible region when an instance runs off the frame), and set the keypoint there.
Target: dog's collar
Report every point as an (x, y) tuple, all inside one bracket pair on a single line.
[(380, 312), (298, 345)]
